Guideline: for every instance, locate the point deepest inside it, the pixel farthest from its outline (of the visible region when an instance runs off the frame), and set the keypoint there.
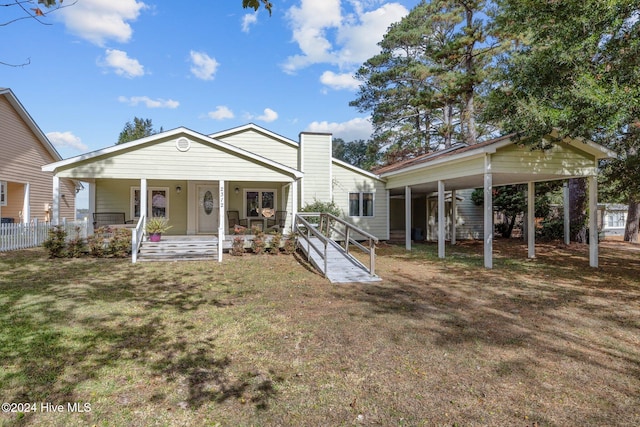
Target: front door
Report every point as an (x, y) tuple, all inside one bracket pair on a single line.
[(208, 208)]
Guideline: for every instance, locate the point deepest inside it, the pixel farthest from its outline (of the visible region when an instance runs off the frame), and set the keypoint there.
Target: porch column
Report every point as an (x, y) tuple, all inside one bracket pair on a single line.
[(593, 221), (26, 205), (221, 219), (488, 213), (531, 216), (454, 219), (567, 213), (407, 217), (143, 200), (55, 214), (441, 219), (294, 202), (92, 204)]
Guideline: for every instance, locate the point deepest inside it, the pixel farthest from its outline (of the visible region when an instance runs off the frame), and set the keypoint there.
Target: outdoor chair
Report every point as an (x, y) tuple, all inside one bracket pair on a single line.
[(234, 221), (277, 221)]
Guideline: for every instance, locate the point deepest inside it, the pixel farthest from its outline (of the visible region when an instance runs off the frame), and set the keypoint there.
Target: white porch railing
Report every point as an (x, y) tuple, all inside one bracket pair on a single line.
[(33, 234), (137, 234)]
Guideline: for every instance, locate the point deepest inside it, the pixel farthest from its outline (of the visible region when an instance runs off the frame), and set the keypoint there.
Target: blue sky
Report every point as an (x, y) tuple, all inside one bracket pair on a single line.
[(208, 66)]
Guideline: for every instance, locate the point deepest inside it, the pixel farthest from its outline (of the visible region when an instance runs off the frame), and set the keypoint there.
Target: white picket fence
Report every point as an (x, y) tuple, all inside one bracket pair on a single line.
[(33, 234)]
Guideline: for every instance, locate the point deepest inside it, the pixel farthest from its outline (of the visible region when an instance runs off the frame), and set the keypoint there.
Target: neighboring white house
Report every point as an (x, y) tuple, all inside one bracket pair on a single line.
[(612, 219)]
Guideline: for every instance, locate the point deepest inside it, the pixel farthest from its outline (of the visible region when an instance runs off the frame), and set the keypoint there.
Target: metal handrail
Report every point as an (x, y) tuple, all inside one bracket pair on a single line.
[(137, 235), (327, 229)]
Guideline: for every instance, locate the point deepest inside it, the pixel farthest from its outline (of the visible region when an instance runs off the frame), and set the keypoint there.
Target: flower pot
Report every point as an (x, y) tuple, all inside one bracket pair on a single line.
[(154, 237)]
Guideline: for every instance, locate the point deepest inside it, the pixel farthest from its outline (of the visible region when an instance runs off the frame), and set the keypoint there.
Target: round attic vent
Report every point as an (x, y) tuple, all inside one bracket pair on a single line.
[(183, 144)]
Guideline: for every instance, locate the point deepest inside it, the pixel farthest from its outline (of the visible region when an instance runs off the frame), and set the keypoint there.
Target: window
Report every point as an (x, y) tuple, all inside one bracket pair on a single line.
[(256, 200), (360, 204), (157, 202), (616, 219), (3, 193)]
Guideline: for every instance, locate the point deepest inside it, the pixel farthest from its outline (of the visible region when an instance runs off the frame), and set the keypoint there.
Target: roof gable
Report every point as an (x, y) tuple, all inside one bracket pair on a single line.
[(28, 120), (161, 138)]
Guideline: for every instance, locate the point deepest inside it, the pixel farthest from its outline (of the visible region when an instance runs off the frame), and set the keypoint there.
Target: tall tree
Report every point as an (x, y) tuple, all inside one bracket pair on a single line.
[(255, 4), (360, 153), (140, 128), (421, 88), (574, 67)]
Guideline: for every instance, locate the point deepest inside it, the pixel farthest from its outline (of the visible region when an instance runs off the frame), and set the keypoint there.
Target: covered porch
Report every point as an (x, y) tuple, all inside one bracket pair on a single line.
[(487, 165)]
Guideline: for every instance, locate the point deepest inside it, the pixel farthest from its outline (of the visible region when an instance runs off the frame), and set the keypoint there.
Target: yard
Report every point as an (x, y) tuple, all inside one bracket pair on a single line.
[(263, 340)]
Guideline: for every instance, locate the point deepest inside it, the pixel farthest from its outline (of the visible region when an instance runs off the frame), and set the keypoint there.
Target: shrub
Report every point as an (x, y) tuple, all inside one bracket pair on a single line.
[(119, 245), (76, 247), (290, 244), (237, 247), (259, 243), (552, 229), (97, 242), (274, 246), (322, 207), (56, 242)]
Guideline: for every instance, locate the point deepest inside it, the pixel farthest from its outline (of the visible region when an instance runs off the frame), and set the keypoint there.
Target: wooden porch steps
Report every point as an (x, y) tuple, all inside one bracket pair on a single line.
[(178, 250)]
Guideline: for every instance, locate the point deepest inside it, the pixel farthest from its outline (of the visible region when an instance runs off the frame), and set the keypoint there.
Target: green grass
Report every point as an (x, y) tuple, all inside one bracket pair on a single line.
[(264, 340)]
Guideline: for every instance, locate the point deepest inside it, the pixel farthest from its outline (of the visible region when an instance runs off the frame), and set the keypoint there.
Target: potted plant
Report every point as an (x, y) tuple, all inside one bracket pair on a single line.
[(156, 226)]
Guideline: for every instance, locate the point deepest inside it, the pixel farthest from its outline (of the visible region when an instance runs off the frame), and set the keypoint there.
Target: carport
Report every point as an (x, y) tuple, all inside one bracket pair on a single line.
[(498, 162)]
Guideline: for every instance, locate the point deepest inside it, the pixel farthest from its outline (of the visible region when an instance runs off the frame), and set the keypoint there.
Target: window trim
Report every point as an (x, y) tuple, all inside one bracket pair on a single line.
[(150, 190), (258, 190), (361, 204), (3, 193)]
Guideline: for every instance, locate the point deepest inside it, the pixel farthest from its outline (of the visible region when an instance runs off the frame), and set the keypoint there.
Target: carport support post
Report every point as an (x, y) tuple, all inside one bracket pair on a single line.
[(221, 219), (593, 222), (488, 213), (407, 217), (454, 202), (531, 216), (441, 236), (566, 212)]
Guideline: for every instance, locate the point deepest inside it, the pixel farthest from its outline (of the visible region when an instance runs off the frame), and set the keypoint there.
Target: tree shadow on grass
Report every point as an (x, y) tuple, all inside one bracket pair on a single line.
[(52, 342)]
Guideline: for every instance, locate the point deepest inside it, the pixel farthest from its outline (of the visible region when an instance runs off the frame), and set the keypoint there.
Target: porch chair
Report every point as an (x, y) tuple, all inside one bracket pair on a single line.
[(233, 220), (277, 221)]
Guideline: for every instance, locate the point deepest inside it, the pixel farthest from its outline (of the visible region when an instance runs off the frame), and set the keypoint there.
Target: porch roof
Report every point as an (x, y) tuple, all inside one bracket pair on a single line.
[(510, 163)]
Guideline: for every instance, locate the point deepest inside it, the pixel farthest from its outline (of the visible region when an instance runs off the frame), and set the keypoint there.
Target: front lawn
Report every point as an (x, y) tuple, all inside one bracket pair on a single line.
[(264, 340)]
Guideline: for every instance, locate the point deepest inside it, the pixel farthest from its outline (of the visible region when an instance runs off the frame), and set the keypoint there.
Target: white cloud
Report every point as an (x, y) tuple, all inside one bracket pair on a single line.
[(339, 81), (220, 113), (248, 20), (268, 115), (150, 103), (325, 35), (358, 128), (122, 64), (100, 20), (66, 139), (204, 67)]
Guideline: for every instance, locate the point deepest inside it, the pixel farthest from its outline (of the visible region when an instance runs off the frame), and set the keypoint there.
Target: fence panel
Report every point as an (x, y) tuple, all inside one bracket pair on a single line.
[(33, 234)]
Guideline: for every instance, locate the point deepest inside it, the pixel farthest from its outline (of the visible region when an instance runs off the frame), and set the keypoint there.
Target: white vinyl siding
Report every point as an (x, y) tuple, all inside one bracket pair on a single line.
[(349, 180), (163, 161), (265, 146), (316, 165), (561, 159)]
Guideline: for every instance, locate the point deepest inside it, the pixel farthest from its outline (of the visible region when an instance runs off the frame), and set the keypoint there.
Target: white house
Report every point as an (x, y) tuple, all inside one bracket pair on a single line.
[(200, 182), (195, 180)]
